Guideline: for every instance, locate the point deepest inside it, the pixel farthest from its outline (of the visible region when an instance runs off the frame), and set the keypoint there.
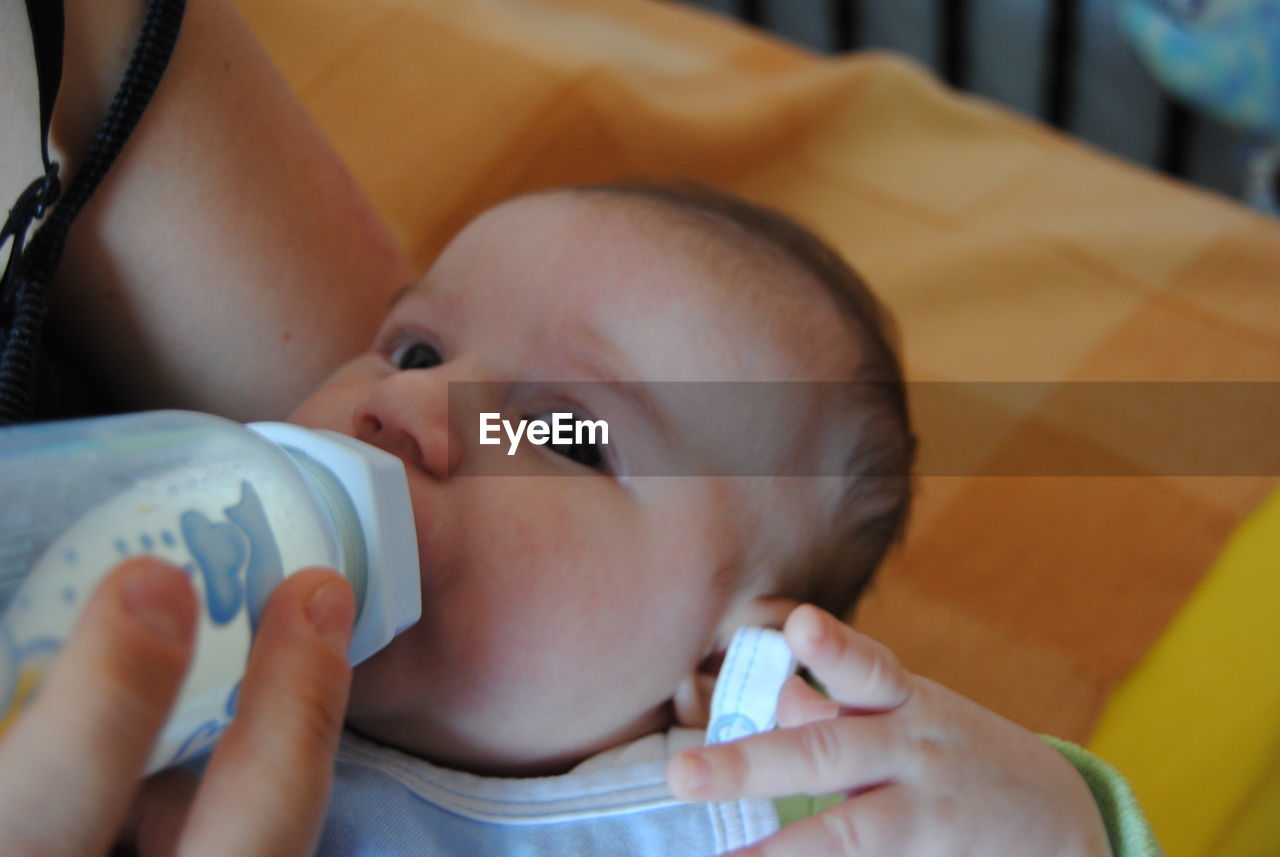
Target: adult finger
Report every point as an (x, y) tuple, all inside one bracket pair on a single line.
[(875, 823), (267, 784), (840, 754), (69, 765), (154, 824), (858, 672)]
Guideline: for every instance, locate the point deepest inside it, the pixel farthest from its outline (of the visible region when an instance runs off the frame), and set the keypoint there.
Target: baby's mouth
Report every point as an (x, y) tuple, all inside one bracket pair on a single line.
[(427, 521)]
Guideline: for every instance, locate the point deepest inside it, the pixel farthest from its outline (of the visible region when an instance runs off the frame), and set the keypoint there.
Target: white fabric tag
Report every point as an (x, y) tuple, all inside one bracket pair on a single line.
[(745, 700)]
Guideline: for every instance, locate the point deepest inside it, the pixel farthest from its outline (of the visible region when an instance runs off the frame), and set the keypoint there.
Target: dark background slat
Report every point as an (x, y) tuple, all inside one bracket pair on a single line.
[(1060, 43)]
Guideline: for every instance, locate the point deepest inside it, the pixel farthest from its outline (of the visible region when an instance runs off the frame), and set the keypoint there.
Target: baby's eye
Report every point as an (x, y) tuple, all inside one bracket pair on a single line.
[(416, 355), (586, 454), (583, 447)]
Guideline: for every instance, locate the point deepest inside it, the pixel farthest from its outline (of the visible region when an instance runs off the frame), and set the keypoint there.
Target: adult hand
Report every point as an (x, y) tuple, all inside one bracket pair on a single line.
[(924, 770), (70, 764)]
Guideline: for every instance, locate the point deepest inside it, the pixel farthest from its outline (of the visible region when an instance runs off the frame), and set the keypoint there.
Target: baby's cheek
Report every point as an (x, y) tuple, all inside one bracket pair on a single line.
[(329, 407), (562, 563), (332, 404), (552, 524)]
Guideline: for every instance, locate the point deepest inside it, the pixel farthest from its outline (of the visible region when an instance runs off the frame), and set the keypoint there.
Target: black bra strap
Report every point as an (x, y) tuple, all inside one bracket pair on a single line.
[(45, 18), (24, 289), (47, 32)]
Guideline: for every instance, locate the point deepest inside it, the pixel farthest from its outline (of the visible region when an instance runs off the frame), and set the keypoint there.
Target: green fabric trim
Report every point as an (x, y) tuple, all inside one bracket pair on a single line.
[(796, 807), (1127, 829)]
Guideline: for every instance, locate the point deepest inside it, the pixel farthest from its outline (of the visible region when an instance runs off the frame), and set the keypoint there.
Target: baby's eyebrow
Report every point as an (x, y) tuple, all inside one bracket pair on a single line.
[(599, 361), (403, 292), (636, 394)]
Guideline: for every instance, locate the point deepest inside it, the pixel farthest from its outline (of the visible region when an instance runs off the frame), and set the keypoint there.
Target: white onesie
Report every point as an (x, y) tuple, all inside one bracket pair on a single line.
[(387, 803)]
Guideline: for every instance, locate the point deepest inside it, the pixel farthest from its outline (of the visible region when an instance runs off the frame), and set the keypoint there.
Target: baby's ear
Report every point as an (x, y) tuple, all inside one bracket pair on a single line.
[(692, 699)]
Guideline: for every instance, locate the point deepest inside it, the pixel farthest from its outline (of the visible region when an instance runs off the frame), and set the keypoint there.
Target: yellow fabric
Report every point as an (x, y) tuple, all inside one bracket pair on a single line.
[(1195, 726), (1006, 251)]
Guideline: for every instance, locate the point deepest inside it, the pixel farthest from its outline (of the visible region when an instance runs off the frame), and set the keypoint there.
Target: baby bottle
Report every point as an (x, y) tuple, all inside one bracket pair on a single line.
[(238, 507)]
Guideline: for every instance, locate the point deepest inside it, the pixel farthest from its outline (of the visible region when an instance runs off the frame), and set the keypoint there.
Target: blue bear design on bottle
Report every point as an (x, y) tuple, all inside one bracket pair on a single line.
[(224, 551)]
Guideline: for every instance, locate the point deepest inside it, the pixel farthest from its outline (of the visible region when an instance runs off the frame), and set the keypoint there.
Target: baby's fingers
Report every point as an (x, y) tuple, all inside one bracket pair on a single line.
[(859, 673), (836, 755), (876, 823), (70, 764)]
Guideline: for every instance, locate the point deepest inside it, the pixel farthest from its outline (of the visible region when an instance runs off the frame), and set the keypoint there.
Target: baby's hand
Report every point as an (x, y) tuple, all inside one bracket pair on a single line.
[(925, 770)]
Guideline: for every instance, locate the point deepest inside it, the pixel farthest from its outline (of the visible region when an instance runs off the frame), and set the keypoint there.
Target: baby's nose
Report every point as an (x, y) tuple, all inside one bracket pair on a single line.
[(410, 426), (399, 443)]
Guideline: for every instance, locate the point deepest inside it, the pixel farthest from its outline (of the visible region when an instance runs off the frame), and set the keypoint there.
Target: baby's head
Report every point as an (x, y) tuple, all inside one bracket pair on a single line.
[(571, 602)]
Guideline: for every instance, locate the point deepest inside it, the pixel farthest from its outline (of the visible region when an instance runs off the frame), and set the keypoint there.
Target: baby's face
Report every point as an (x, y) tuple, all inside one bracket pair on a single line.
[(563, 606)]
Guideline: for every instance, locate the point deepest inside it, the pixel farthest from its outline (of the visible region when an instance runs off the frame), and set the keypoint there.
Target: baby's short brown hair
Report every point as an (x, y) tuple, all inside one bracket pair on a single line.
[(840, 553)]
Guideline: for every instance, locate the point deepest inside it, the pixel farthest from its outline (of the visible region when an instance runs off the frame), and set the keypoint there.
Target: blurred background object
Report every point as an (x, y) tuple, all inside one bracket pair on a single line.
[(1187, 87)]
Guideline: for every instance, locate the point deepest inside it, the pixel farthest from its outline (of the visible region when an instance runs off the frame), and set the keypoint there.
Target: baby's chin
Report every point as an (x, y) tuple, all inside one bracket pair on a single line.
[(447, 749), (488, 741)]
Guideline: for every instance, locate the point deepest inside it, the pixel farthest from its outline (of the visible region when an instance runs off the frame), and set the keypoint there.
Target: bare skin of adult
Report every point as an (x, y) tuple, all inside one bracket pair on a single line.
[(226, 212)]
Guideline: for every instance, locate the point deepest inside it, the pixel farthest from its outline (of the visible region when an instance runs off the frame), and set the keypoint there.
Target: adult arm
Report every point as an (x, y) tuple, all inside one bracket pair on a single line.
[(228, 262)]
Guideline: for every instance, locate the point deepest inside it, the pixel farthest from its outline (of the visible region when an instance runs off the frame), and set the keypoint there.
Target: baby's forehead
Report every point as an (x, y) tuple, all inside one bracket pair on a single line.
[(734, 259), (745, 272), (674, 273), (743, 316)]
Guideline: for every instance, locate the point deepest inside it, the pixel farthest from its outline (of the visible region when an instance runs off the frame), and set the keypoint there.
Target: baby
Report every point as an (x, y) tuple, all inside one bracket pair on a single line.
[(578, 598), (563, 617), (540, 594)]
